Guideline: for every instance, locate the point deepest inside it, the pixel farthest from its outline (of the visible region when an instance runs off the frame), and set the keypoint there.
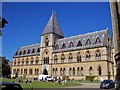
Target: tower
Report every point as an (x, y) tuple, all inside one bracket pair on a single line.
[(115, 15), (50, 34)]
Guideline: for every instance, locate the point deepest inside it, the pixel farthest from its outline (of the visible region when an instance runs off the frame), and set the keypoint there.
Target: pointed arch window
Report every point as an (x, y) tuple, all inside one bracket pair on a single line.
[(38, 50), (70, 57), (78, 57), (90, 71), (88, 56), (33, 51), (56, 71), (28, 52), (63, 46), (24, 52), (20, 53), (73, 71), (98, 55), (82, 71), (64, 71), (88, 42), (61, 72), (78, 71), (46, 41), (79, 43), (97, 40), (62, 58), (71, 45), (57, 47), (55, 59), (70, 71), (99, 70)]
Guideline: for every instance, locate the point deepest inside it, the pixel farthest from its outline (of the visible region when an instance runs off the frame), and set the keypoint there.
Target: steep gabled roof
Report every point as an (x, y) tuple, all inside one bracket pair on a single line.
[(52, 26)]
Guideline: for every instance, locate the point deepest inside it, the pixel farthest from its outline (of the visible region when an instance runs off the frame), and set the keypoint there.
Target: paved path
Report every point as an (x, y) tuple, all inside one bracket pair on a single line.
[(87, 85)]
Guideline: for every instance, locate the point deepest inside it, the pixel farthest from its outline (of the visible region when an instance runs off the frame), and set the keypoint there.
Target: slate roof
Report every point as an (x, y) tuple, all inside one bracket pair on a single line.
[(102, 35), (52, 26), (29, 48)]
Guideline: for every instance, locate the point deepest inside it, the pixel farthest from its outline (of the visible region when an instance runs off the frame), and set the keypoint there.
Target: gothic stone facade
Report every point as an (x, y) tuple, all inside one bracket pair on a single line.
[(77, 56)]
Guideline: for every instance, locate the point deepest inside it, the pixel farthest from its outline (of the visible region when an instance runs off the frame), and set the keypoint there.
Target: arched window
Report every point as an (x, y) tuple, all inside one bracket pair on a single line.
[(27, 61), (33, 51), (16, 53), (71, 44), (64, 71), (38, 50), (90, 71), (99, 70), (78, 57), (25, 71), (70, 71), (46, 41), (24, 52), (97, 40), (88, 42), (79, 43), (18, 61), (53, 71), (61, 72), (78, 71), (63, 46), (55, 59), (28, 52), (88, 56), (73, 71), (21, 71), (20, 53), (70, 57), (23, 61), (62, 58), (57, 47), (82, 71), (30, 71), (56, 71), (98, 55), (18, 71)]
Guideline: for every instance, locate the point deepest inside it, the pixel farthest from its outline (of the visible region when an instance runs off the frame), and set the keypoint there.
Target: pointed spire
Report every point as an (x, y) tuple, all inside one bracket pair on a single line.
[(52, 26)]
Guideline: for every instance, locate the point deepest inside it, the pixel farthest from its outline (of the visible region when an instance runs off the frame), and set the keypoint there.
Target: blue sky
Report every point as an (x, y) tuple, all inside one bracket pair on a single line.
[(26, 21)]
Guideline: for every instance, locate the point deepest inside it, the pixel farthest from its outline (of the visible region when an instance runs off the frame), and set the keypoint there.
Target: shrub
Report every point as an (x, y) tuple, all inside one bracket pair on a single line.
[(90, 78)]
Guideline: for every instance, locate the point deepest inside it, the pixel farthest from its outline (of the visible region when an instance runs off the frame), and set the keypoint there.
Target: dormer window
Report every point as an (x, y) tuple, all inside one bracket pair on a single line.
[(57, 47), (33, 51), (28, 52), (38, 50), (16, 53), (97, 40), (71, 44), (63, 46), (24, 52), (79, 43), (88, 42), (20, 52)]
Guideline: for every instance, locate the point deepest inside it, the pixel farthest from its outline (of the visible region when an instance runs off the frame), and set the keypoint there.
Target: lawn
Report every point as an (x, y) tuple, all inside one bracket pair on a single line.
[(38, 84)]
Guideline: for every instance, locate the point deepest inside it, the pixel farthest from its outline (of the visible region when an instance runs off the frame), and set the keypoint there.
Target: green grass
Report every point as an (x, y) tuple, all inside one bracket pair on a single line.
[(38, 84)]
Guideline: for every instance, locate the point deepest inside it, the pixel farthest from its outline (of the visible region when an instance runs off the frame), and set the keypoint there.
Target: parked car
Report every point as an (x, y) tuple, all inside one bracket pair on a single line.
[(106, 84), (10, 86)]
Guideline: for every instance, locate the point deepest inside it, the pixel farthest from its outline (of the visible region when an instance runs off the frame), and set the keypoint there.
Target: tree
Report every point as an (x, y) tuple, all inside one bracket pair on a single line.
[(3, 21), (4, 63)]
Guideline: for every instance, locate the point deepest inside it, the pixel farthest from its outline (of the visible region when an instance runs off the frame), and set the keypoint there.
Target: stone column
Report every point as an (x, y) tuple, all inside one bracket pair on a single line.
[(115, 15)]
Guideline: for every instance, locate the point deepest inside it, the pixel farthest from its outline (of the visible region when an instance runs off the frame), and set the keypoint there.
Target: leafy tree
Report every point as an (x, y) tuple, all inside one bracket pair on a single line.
[(4, 63), (3, 21)]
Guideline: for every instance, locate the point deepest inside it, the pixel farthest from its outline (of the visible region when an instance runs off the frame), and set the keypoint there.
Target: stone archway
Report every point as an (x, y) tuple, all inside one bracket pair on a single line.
[(45, 72)]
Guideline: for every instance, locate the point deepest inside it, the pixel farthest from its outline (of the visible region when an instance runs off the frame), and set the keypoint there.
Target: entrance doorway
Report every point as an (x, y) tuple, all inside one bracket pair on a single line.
[(45, 72)]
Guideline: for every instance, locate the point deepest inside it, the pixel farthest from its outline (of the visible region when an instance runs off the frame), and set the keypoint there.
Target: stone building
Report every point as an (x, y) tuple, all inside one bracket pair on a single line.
[(77, 56)]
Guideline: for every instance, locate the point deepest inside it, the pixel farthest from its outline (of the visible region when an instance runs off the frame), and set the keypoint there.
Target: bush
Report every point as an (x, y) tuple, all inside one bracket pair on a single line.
[(90, 78), (65, 78)]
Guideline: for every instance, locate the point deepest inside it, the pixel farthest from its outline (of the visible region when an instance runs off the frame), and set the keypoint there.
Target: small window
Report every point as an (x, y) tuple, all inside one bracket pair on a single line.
[(38, 50), (71, 44), (33, 51), (79, 43), (28, 52), (97, 40), (57, 47), (63, 46), (20, 53), (88, 42), (24, 52)]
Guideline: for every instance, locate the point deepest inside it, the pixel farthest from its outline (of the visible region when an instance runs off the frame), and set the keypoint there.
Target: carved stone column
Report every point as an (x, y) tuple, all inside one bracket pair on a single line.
[(115, 15)]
